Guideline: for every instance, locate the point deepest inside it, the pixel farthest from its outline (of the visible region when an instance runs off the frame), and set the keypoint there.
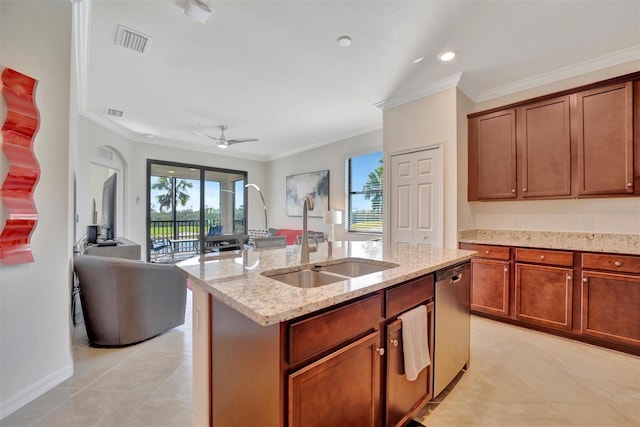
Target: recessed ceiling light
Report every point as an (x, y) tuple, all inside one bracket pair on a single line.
[(415, 61), (447, 56), (344, 41)]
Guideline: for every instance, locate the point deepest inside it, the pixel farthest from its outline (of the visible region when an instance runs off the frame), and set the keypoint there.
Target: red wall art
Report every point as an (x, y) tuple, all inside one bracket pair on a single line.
[(18, 132)]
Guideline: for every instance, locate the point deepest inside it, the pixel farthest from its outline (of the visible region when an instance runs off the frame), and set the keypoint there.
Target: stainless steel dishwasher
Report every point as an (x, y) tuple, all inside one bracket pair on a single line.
[(452, 328)]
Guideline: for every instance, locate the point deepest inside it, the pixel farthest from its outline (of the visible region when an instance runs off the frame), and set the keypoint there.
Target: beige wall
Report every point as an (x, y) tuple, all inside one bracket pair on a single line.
[(35, 347), (329, 157), (426, 122), (612, 215)]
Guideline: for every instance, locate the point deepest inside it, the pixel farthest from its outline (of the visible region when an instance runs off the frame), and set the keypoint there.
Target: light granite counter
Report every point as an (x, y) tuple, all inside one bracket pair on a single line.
[(587, 242), (235, 277)]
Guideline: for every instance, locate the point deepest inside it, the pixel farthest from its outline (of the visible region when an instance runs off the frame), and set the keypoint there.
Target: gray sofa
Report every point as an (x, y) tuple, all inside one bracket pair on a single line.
[(126, 301)]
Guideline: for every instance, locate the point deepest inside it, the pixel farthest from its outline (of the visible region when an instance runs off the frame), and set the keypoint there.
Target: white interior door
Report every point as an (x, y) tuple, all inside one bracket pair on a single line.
[(416, 197)]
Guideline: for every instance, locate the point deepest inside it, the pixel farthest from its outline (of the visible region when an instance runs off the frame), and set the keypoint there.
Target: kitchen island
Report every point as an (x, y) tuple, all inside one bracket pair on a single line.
[(258, 344)]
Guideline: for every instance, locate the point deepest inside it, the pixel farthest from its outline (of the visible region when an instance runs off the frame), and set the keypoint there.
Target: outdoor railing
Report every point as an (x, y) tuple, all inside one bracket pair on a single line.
[(186, 233)]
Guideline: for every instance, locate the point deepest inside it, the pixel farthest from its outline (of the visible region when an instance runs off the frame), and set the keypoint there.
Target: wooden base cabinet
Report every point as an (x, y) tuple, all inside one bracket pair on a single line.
[(490, 279), (490, 288), (544, 295), (404, 396), (611, 297), (342, 388)]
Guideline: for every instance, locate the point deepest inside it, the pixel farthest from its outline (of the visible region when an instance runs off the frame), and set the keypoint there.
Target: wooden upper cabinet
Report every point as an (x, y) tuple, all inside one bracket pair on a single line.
[(492, 139), (545, 145), (604, 137)]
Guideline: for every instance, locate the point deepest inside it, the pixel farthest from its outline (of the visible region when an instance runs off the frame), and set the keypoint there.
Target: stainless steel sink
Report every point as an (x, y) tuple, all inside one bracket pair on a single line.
[(307, 278), (324, 273), (355, 268)]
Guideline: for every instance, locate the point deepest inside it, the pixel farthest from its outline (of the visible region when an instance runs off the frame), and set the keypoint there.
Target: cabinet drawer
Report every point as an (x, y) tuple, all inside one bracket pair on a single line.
[(611, 262), (408, 295), (542, 256), (324, 331), (488, 251)]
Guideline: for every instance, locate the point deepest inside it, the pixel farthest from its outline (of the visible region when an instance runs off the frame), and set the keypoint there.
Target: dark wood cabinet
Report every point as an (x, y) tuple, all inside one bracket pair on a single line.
[(611, 297), (490, 286), (404, 396), (338, 361), (544, 295), (342, 388), (604, 135), (589, 296), (578, 143), (492, 141), (610, 304), (490, 278), (545, 145)]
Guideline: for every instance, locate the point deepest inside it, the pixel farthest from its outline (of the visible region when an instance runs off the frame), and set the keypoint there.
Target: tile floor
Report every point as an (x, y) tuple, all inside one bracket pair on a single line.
[(518, 378), (148, 384), (525, 378)]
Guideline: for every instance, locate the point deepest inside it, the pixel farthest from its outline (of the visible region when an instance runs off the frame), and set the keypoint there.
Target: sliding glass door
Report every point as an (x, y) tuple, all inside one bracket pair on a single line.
[(187, 202)]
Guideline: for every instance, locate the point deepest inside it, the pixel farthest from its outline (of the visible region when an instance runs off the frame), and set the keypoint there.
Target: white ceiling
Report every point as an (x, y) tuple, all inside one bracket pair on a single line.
[(273, 70)]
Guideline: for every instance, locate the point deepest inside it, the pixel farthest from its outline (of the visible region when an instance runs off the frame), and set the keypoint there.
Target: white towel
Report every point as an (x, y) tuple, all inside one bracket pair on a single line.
[(415, 341)]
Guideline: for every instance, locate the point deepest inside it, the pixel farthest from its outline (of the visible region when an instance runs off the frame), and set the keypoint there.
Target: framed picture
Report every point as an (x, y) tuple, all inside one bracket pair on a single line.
[(298, 186)]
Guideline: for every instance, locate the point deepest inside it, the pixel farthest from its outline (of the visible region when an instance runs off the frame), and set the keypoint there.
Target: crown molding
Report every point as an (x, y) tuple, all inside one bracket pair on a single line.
[(436, 87), (341, 137), (591, 65)]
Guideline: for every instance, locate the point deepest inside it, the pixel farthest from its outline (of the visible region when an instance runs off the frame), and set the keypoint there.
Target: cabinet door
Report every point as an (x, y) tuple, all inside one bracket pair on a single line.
[(493, 139), (544, 295), (490, 286), (341, 389), (545, 144), (610, 306), (403, 396), (605, 140)]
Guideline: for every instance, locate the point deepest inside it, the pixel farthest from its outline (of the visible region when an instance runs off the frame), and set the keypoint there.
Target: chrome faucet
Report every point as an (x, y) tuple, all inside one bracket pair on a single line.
[(304, 250)]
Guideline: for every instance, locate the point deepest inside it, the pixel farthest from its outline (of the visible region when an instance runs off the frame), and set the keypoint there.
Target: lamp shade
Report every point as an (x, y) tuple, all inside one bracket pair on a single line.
[(333, 217)]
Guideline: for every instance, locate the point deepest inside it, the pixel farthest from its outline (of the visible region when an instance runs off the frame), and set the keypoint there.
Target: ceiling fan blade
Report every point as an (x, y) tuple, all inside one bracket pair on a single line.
[(197, 132), (238, 140)]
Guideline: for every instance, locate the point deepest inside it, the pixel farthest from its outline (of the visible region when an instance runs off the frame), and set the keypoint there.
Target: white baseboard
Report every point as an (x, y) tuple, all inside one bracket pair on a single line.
[(35, 390)]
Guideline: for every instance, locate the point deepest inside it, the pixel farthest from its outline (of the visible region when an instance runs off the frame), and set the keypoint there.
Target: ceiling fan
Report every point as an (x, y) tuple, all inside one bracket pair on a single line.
[(222, 141)]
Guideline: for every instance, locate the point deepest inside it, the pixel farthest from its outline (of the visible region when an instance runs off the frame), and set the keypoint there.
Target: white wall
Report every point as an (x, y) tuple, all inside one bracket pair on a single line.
[(428, 121), (608, 215), (35, 348), (330, 157)]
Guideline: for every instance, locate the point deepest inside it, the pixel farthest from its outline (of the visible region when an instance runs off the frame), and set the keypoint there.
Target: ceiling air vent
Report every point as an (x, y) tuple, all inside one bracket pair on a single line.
[(114, 113), (132, 40)]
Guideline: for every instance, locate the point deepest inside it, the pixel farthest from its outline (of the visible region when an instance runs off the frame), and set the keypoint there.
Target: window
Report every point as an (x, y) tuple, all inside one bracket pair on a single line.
[(364, 193)]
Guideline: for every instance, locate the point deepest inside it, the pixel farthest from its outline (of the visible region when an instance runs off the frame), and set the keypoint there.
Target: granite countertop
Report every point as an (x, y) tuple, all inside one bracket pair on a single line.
[(575, 241), (235, 277)]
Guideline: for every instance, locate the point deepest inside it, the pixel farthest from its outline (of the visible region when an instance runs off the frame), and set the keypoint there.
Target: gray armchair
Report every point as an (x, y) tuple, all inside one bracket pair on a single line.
[(126, 301)]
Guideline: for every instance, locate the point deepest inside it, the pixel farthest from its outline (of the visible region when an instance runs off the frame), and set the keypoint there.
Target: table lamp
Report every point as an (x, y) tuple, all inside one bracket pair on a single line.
[(332, 218)]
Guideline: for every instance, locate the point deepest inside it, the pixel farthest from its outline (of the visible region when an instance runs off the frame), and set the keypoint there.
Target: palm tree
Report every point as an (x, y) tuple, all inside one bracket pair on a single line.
[(171, 187), (373, 188)]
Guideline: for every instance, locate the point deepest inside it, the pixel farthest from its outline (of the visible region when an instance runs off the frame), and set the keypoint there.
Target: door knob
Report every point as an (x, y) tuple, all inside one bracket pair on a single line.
[(394, 343), (380, 351)]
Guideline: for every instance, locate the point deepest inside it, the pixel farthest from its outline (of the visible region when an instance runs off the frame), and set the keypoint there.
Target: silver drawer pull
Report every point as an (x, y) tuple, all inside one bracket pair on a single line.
[(394, 343), (542, 257), (380, 351), (585, 280), (629, 184), (617, 263), (486, 252)]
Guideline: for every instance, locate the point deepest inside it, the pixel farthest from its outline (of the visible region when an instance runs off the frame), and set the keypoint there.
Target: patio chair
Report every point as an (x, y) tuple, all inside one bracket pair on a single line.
[(215, 230), (163, 246)]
